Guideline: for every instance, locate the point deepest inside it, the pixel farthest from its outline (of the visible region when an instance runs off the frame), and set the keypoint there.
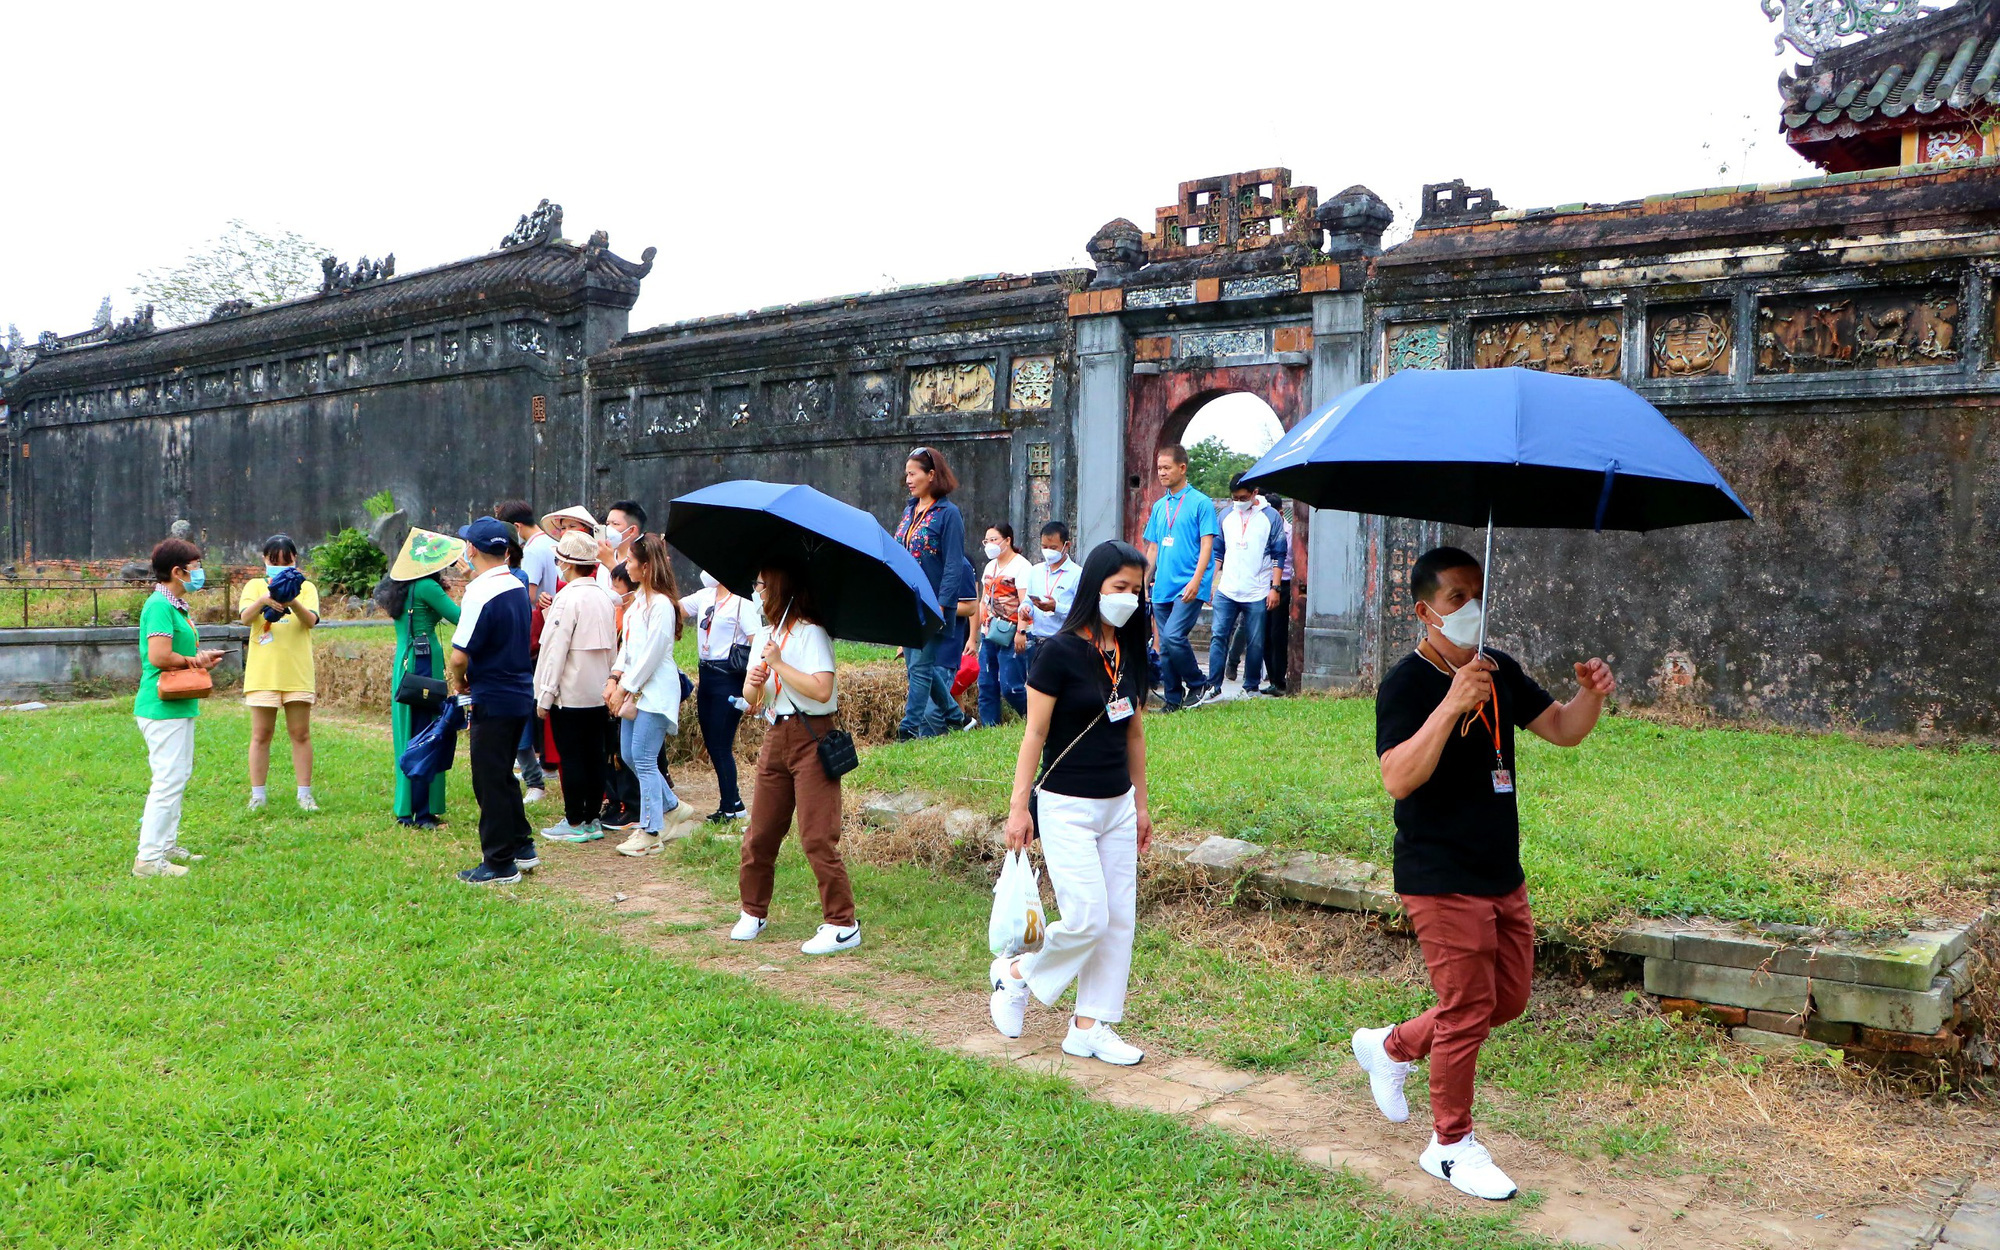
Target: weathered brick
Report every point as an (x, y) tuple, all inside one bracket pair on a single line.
[(1320, 278), (1773, 1022), (1763, 1039), (1727, 1017), (1207, 290), (1292, 339), (1942, 1042), (1158, 348)]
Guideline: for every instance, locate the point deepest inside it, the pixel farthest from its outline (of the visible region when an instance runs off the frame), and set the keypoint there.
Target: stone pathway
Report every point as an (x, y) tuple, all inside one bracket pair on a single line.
[(1322, 1124)]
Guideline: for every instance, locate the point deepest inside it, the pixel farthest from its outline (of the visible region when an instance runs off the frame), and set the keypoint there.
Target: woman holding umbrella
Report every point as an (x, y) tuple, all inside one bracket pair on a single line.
[(415, 598), (1086, 732), (932, 530), (792, 675)]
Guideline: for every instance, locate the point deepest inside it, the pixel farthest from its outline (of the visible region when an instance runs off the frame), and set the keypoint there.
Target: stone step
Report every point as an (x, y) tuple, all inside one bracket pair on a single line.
[(1880, 1007)]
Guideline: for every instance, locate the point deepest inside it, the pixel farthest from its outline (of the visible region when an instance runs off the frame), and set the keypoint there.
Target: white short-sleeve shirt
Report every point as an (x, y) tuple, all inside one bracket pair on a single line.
[(808, 648)]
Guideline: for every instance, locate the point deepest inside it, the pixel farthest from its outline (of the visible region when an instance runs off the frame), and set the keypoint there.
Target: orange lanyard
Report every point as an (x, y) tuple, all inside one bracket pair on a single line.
[(916, 523), (1113, 668), (1465, 724)]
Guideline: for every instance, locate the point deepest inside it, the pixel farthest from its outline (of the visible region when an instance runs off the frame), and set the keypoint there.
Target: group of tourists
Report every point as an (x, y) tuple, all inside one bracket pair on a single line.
[(570, 624)]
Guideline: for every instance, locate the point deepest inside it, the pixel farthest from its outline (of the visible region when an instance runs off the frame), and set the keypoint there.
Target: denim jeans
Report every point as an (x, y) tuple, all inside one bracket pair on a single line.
[(1179, 670), (639, 743), (1002, 674), (1229, 615), (528, 755), (929, 669), (719, 720)]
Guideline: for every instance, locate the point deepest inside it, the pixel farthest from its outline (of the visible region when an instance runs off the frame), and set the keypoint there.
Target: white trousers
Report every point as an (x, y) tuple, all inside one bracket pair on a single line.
[(170, 752), (1091, 849)]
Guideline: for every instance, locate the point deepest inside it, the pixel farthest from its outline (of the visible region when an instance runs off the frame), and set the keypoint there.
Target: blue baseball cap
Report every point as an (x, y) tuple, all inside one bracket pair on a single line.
[(488, 534)]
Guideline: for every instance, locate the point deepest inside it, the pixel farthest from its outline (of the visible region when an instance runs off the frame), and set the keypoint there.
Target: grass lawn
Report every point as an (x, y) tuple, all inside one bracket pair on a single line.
[(319, 1039), (1642, 818), (684, 650)]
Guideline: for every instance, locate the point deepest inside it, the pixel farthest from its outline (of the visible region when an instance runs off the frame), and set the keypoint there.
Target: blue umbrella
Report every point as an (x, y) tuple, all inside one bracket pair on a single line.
[(1499, 447), (868, 587), (430, 752)]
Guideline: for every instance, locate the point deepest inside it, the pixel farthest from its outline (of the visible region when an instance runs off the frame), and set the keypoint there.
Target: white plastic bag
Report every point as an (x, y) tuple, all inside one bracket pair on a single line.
[(1017, 923)]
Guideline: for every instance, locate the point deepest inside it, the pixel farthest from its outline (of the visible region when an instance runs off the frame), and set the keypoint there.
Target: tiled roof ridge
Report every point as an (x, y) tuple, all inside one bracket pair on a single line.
[(831, 303), (1948, 59), (1943, 171)]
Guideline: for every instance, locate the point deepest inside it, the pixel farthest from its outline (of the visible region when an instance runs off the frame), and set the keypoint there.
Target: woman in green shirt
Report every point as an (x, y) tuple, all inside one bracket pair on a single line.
[(415, 597), (168, 642)]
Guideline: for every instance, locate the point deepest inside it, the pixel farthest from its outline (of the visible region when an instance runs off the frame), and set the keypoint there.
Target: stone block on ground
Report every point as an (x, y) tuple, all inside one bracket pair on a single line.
[(965, 827), (1225, 858), (1775, 1022), (1764, 1040), (886, 811), (1942, 1042), (1841, 1002), (1975, 1224), (1733, 987), (1882, 1008), (1653, 938), (1327, 880)]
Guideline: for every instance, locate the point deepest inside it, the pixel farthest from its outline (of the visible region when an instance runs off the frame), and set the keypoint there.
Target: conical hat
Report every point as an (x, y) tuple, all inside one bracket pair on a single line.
[(577, 513), (425, 552)]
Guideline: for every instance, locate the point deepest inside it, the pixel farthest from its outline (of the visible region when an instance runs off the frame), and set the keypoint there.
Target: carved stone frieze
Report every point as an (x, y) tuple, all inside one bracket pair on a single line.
[(1220, 343), (964, 386), (540, 225), (1835, 330), (1415, 345), (1160, 296), (1688, 341), (1582, 344), (1266, 284), (1034, 384), (874, 396), (801, 401)]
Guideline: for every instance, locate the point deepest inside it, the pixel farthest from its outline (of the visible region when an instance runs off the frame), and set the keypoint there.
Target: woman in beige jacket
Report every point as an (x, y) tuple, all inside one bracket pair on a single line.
[(579, 640)]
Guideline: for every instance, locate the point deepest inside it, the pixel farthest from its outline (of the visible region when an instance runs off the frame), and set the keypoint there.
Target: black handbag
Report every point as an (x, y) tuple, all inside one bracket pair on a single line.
[(739, 659), (415, 691), (836, 750)]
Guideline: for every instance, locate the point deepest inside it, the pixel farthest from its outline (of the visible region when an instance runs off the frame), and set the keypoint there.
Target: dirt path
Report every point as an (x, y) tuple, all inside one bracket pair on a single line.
[(1324, 1123)]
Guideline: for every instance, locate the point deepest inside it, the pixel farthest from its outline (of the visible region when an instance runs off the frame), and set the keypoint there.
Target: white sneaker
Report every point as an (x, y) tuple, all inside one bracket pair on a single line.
[(1009, 1004), (640, 844), (832, 939), (1468, 1167), (308, 804), (1100, 1042), (1385, 1075), (257, 804), (535, 794), (681, 822), (157, 868), (182, 855), (747, 927)]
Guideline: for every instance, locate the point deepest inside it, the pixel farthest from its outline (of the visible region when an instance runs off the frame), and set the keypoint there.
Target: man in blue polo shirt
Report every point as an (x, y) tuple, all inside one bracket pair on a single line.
[(1180, 540), (491, 665)]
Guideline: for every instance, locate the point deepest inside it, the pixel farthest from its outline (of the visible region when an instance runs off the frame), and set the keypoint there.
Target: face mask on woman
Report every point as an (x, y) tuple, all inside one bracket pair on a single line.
[(993, 551), (708, 579), (1117, 609), (272, 570), (196, 578)]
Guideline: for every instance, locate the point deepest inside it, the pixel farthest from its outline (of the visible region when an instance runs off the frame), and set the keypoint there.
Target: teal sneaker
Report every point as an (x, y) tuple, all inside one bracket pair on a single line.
[(563, 831)]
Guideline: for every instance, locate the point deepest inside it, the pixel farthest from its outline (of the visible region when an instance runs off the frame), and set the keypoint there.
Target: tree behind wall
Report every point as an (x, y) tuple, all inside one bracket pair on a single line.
[(1211, 464), (244, 263)]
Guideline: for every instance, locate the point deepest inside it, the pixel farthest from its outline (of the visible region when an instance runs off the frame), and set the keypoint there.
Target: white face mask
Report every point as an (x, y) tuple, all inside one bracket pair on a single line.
[(708, 579), (1243, 505), (1052, 555), (1462, 626), (993, 551), (1117, 609)]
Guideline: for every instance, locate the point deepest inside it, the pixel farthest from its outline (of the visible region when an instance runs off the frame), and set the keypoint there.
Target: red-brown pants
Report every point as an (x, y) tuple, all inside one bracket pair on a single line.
[(790, 778), (1481, 953)]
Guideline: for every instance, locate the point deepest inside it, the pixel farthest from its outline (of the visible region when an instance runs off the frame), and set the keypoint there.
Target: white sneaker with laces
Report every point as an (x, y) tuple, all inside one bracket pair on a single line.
[(308, 804), (1469, 1168), (832, 939), (157, 868), (535, 794), (640, 844), (1099, 1041), (1009, 1004), (182, 855), (747, 927), (1385, 1075), (257, 803), (680, 822)]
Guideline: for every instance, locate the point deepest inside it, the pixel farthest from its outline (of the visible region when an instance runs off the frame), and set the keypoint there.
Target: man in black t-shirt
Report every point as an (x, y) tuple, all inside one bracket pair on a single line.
[(1445, 717)]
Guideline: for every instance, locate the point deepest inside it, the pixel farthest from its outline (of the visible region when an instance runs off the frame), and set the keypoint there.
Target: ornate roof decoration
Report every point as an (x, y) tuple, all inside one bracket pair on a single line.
[(1815, 27), (230, 308), (1456, 204), (1354, 221), (543, 225), (598, 257), (134, 326), (339, 277)]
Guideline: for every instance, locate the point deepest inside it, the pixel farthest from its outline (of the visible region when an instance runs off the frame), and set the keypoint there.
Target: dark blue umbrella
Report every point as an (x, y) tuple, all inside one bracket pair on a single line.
[(1499, 447), (868, 587), (284, 586), (430, 751)]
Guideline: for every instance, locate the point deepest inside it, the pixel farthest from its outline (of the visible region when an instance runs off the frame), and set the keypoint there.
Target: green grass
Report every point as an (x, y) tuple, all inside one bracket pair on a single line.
[(684, 650), (1642, 818), (319, 1039)]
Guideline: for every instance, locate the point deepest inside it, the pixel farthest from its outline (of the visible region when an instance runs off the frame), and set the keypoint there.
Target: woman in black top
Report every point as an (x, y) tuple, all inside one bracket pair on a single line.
[(1089, 807)]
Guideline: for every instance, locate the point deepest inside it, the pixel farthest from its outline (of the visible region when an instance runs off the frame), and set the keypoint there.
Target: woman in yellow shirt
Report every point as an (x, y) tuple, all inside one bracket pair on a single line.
[(278, 666)]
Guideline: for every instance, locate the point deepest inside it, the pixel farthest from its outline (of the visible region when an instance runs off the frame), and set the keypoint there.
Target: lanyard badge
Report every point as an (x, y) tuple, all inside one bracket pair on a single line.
[(1118, 706)]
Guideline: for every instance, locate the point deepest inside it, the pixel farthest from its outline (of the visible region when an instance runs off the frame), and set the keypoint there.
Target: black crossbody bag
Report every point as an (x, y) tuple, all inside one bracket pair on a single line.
[(415, 691)]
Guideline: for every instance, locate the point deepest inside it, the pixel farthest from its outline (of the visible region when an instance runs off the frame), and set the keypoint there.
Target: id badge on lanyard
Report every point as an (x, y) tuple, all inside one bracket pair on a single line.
[(1119, 706), (1503, 776)]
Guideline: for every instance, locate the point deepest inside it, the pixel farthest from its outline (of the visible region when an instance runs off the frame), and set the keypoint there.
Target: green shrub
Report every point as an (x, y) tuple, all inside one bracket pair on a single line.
[(379, 504), (347, 562)]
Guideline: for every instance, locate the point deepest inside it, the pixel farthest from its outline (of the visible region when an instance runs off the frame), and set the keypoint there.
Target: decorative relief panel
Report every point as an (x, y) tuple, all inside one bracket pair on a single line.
[(1959, 143), (963, 387), (1220, 343), (1252, 288), (1041, 459), (1582, 344), (801, 401), (1160, 296), (529, 339), (1688, 341), (679, 413), (386, 358), (874, 396), (1415, 345), (1833, 330), (617, 416), (732, 405), (1034, 382)]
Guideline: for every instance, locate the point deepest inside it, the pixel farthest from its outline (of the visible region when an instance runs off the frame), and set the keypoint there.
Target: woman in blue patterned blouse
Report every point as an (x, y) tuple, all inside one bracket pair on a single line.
[(934, 532)]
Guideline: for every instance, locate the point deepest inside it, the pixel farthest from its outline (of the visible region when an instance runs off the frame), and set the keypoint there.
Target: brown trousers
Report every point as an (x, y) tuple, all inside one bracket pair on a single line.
[(1481, 953), (790, 778)]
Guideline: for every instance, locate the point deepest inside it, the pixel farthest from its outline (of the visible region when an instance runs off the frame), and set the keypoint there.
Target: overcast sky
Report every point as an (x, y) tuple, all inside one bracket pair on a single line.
[(776, 152)]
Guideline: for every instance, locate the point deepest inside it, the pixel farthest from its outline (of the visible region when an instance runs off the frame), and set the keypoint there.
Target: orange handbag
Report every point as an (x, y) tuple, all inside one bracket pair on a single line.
[(186, 683)]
